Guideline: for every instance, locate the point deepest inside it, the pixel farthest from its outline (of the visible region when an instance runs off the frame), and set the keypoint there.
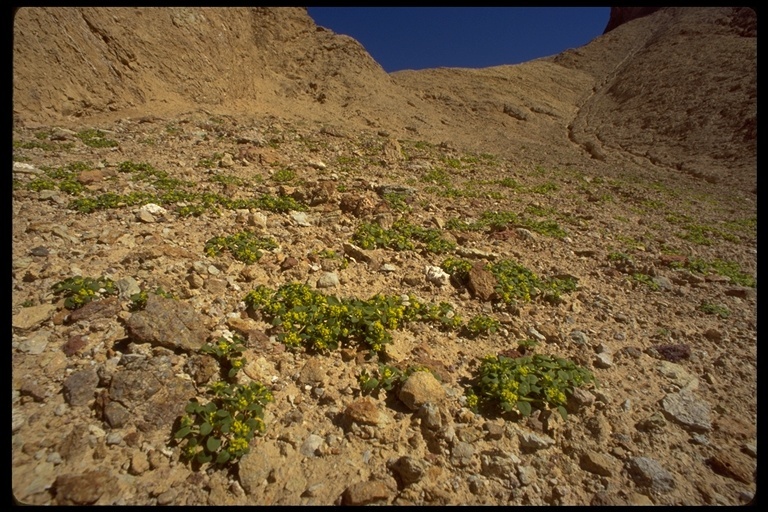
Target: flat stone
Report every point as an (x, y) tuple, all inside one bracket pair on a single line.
[(420, 388), (649, 474), (598, 463), (32, 316), (687, 410), (363, 493)]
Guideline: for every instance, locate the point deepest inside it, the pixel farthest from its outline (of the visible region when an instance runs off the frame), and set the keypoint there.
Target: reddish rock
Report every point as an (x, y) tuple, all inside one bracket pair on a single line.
[(481, 282)]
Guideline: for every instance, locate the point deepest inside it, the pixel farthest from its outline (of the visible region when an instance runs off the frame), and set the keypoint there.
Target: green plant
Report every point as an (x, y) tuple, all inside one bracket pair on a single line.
[(79, 291), (96, 139), (27, 303), (481, 325), (400, 237), (521, 383), (304, 317), (221, 430), (545, 188), (646, 280), (397, 201), (714, 309), (721, 267), (139, 300), (245, 246), (283, 175), (388, 378)]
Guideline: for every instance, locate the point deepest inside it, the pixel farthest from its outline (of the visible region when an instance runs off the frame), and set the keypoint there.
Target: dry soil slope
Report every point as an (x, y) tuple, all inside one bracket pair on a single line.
[(676, 88), (683, 95)]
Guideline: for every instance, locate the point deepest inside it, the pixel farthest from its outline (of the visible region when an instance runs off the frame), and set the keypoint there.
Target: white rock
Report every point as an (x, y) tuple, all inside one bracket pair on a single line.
[(438, 276)]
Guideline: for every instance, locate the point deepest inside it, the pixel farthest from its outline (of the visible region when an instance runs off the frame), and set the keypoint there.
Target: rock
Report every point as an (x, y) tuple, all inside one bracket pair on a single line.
[(170, 323), (310, 445), (743, 292), (579, 337), (679, 375), (363, 493), (599, 464), (128, 286), (79, 388), (437, 276), (731, 466), (499, 464), (227, 161), (32, 316), (116, 415), (365, 412), (580, 398), (430, 416), (36, 343), (603, 360), (649, 474), (421, 388), (408, 469), (255, 466), (300, 218), (481, 282), (103, 308), (533, 441), (82, 489), (461, 454), (139, 463), (313, 373), (328, 280), (621, 15), (687, 410)]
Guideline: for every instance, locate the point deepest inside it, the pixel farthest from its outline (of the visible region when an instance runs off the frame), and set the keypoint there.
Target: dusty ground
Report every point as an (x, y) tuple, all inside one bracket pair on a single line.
[(545, 140)]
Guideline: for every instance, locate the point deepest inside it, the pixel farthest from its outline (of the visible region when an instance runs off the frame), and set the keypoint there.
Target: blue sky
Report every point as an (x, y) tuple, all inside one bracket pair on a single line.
[(469, 37)]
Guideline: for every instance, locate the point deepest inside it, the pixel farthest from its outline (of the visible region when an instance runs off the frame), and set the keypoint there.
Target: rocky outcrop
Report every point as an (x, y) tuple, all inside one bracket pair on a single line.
[(621, 15)]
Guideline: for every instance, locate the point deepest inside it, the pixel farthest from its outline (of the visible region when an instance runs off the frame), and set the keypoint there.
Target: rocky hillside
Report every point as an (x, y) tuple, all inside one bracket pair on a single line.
[(529, 284)]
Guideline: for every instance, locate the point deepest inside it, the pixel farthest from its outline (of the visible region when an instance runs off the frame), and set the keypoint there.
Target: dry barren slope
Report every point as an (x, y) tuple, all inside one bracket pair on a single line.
[(676, 89), (255, 122)]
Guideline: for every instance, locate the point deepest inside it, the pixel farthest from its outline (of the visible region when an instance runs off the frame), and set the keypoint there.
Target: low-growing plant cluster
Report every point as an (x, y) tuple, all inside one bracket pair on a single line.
[(720, 267), (400, 237), (304, 317), (523, 383), (168, 191), (714, 309), (79, 291), (388, 378), (96, 139), (498, 221), (221, 430), (139, 300), (513, 281), (245, 246), (481, 325)]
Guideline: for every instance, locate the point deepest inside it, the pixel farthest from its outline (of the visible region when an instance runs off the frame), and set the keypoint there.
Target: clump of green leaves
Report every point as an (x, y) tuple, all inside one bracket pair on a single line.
[(514, 282), (397, 201), (221, 430), (79, 291), (646, 280), (388, 378), (139, 300), (481, 325), (245, 246), (714, 309), (724, 268), (96, 139), (523, 383), (304, 317), (284, 175), (400, 237)]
